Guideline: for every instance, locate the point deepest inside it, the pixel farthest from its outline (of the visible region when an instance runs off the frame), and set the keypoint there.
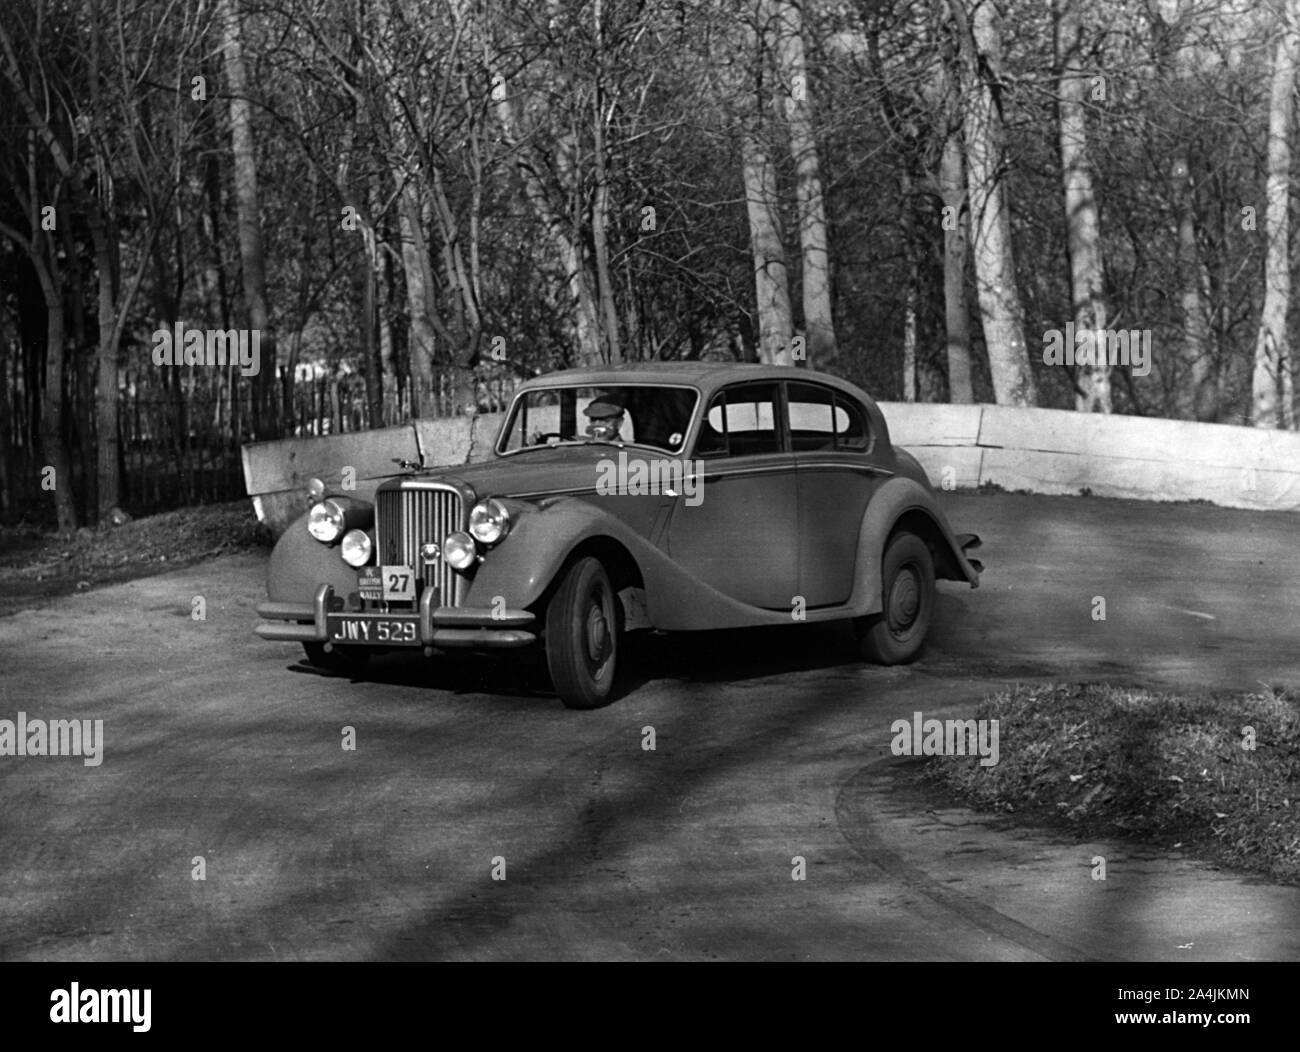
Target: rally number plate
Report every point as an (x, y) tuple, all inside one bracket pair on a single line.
[(389, 584)]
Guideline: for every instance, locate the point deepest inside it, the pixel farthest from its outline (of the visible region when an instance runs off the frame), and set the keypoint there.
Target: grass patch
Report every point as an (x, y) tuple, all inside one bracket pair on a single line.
[(1169, 770), (39, 566)]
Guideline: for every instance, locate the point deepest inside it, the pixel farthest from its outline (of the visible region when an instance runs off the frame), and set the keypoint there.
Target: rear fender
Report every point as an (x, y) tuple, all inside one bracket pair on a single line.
[(904, 503)]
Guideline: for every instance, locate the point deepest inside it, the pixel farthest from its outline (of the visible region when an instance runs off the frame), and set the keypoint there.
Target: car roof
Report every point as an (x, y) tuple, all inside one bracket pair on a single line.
[(707, 376)]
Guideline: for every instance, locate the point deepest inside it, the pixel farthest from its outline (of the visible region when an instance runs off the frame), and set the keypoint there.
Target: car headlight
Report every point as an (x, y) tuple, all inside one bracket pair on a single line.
[(489, 521), (325, 521), (459, 551), (356, 548)]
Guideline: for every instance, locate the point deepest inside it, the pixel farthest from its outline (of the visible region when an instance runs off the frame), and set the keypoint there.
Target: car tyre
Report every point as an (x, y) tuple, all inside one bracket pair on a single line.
[(582, 636), (340, 659), (895, 635)]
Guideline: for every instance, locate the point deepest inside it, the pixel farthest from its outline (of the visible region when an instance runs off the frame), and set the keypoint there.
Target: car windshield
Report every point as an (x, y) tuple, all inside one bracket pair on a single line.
[(619, 414)]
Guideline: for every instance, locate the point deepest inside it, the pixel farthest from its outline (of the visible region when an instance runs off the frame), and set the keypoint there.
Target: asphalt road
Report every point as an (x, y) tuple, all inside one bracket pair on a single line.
[(768, 745)]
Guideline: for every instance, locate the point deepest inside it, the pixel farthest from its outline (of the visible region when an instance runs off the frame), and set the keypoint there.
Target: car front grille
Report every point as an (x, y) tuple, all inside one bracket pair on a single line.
[(408, 518)]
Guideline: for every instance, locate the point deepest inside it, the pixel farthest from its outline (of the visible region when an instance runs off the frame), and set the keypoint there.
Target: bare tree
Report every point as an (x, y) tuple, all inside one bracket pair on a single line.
[(762, 204), (601, 109), (952, 187), (248, 217), (43, 252), (980, 45), (786, 19), (1174, 52), (1271, 401), (1083, 226), (548, 166), (37, 196)]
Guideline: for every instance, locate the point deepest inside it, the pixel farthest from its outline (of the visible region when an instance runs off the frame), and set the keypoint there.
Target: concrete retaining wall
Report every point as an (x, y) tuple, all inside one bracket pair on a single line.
[(1057, 451), (276, 473), (1040, 450)]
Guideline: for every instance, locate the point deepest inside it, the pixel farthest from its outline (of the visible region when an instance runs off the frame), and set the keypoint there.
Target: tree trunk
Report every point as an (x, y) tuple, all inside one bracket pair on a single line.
[(600, 202), (419, 292), (384, 294), (600, 243), (107, 265), (758, 176), (1083, 227), (771, 284), (52, 444), (1192, 292), (818, 321), (79, 380), (467, 322), (1203, 375), (909, 337), (371, 364), (1270, 399), (952, 187), (995, 273), (212, 276), (106, 377), (248, 218), (382, 266)]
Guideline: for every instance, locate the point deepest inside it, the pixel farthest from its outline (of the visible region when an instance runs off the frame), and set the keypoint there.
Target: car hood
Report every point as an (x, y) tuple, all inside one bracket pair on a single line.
[(542, 472)]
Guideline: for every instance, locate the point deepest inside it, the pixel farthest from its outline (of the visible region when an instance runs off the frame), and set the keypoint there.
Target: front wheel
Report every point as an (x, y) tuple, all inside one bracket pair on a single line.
[(582, 636), (896, 634)]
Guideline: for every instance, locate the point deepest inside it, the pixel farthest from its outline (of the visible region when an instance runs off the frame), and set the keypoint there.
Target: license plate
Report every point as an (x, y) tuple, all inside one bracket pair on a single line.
[(373, 629), (398, 583)]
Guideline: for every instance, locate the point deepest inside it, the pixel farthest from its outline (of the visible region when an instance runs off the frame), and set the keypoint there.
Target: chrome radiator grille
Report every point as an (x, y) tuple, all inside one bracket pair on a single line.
[(408, 518)]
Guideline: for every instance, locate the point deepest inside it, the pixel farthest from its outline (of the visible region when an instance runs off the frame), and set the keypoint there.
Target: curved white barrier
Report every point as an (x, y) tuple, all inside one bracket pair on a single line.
[(1059, 451), (960, 446)]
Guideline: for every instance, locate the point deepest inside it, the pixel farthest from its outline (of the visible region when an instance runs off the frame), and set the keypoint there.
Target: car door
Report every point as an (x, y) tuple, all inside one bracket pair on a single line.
[(832, 443), (741, 534)]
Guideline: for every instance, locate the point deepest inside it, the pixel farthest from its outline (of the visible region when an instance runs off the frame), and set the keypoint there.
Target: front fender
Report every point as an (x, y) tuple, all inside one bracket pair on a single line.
[(300, 564), (894, 500), (541, 537)]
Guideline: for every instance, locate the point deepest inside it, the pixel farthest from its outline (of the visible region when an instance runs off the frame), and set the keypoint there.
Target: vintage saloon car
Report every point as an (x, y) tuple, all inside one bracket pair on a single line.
[(674, 496)]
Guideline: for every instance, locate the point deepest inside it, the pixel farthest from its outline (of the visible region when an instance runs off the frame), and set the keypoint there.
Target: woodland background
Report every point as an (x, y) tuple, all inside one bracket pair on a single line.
[(419, 202)]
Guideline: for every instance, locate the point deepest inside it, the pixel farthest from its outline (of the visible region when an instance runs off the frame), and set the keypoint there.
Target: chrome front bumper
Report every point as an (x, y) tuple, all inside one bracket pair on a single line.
[(436, 626)]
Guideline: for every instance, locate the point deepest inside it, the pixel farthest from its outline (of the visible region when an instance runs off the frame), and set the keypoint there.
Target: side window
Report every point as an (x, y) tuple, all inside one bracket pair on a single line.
[(851, 432), (813, 418), (740, 421)]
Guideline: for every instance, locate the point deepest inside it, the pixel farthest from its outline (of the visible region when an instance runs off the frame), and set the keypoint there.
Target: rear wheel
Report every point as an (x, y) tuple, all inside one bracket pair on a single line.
[(340, 659), (582, 636), (896, 634)]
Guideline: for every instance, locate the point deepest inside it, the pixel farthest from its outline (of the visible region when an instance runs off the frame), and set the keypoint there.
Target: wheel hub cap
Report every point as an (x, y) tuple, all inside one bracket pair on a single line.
[(904, 600), (597, 634)]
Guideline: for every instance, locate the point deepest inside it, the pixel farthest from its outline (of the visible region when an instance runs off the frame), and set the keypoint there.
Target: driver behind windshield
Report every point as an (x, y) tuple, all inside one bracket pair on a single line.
[(606, 414)]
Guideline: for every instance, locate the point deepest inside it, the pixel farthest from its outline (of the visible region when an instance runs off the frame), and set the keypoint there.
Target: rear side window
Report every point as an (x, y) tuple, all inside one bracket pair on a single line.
[(851, 431), (822, 419), (740, 421), (812, 417)]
